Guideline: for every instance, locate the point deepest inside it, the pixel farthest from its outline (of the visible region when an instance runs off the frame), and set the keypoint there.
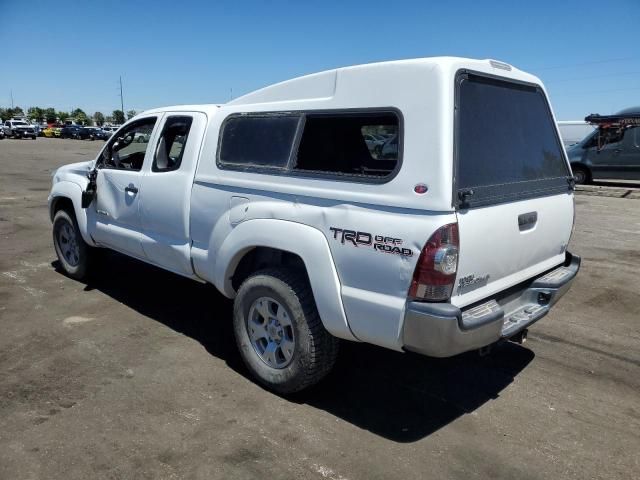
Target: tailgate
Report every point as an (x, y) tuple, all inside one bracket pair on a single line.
[(503, 245), (513, 186)]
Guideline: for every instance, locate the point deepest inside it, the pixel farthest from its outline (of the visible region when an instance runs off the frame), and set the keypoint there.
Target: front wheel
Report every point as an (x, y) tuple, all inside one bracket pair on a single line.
[(581, 175), (279, 333), (72, 251)]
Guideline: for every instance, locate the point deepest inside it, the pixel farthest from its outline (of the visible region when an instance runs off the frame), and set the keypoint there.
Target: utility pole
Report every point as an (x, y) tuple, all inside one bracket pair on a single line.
[(12, 100), (121, 97)]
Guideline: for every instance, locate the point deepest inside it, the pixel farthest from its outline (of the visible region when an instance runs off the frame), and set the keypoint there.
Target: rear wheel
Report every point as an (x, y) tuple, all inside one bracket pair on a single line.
[(72, 251), (279, 333), (581, 174)]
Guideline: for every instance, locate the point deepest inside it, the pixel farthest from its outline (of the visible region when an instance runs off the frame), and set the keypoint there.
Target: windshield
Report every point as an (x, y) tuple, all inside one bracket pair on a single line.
[(20, 123), (507, 143)]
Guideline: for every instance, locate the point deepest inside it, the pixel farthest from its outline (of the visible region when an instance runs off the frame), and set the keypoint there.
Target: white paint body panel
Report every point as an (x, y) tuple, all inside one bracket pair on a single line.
[(200, 221), (492, 244), (164, 210)]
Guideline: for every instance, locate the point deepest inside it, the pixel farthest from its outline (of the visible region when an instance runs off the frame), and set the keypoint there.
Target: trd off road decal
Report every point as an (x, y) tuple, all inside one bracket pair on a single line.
[(380, 243)]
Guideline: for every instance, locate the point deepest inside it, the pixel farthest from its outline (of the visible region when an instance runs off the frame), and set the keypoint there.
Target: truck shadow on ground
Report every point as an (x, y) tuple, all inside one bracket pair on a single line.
[(401, 397), (616, 184)]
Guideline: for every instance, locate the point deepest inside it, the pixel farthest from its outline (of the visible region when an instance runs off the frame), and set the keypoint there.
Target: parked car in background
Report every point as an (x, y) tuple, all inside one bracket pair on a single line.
[(573, 131), (49, 132), (612, 151), (142, 137), (390, 147), (374, 141), (36, 127), (1, 133), (74, 131), (111, 129), (96, 133), (19, 129)]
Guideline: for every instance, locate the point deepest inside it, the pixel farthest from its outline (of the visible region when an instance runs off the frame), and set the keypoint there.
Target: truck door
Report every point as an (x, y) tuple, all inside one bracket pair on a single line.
[(629, 155), (118, 187), (167, 182)]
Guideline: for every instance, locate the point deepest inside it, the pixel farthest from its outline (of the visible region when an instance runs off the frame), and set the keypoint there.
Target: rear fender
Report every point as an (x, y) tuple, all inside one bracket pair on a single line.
[(306, 242)]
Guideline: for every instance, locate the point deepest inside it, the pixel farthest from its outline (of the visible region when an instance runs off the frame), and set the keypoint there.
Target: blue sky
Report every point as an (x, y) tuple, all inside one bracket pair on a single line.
[(70, 54)]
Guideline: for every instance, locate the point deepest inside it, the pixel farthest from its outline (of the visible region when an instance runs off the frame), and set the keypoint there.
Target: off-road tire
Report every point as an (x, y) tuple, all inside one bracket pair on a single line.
[(315, 350), (79, 270)]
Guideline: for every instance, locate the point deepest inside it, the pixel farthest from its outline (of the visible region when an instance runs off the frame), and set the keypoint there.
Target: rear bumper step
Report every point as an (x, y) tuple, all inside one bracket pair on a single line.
[(444, 330)]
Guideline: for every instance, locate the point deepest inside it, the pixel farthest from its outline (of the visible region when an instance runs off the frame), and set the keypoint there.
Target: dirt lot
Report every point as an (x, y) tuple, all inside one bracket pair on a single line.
[(135, 374)]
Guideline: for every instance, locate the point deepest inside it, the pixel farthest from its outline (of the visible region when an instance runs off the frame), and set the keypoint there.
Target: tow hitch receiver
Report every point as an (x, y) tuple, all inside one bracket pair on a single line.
[(520, 337)]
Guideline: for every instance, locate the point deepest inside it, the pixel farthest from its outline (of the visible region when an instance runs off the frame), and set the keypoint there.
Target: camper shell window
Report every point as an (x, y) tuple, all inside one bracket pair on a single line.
[(351, 145), (506, 143), (258, 140)]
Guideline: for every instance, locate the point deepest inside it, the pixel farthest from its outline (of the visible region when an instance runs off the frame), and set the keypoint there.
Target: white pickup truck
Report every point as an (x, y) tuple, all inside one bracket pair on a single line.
[(20, 129), (449, 235)]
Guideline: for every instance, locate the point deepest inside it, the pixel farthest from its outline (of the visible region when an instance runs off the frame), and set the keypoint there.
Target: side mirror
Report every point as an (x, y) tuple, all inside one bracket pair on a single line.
[(87, 198)]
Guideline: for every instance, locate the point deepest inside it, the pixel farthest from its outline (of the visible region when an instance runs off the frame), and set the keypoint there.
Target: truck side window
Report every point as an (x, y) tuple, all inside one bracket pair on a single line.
[(127, 149), (258, 140), (364, 145), (349, 143), (171, 145)]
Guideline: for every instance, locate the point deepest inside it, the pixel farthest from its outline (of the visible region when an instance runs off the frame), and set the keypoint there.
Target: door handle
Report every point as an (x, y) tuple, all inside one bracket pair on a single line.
[(527, 221), (617, 151), (131, 189)]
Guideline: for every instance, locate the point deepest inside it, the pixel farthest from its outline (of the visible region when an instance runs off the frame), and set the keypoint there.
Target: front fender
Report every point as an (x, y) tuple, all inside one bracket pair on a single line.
[(73, 192), (306, 242)]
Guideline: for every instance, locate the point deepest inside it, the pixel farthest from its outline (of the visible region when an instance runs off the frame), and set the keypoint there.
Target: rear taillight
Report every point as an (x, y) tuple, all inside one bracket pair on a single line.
[(435, 271)]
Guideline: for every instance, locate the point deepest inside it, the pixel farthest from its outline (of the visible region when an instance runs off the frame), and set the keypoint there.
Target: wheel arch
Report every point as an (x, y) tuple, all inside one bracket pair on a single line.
[(68, 195), (291, 244), (584, 167)]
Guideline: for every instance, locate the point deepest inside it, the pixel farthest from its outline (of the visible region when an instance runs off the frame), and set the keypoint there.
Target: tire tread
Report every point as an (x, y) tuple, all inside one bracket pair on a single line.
[(324, 346)]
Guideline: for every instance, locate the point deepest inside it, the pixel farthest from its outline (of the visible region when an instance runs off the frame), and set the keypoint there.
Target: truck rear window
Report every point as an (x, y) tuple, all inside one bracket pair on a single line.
[(507, 146)]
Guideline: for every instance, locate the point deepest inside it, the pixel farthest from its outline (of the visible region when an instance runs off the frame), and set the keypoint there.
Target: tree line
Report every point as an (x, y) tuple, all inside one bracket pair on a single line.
[(51, 115)]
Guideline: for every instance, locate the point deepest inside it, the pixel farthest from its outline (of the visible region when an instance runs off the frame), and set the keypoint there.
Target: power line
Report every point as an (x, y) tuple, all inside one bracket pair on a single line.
[(589, 92), (592, 76), (594, 62)]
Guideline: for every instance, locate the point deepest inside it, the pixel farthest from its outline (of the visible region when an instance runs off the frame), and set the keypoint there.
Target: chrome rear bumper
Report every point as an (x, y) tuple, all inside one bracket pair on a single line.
[(444, 330)]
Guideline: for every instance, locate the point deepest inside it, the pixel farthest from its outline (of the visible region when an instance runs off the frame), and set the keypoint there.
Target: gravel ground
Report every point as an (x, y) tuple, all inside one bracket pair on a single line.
[(135, 375)]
